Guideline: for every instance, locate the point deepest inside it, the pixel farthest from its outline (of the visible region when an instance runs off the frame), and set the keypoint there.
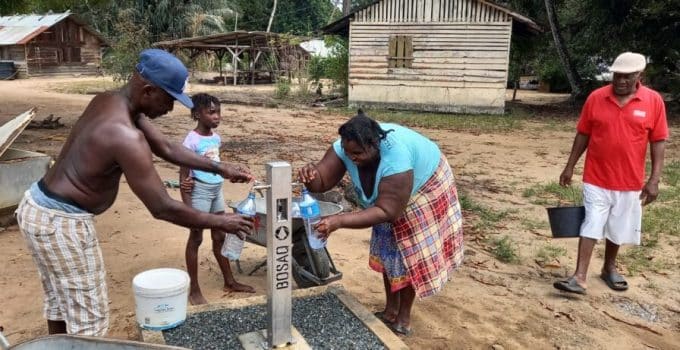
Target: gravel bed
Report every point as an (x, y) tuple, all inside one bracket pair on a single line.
[(323, 321)]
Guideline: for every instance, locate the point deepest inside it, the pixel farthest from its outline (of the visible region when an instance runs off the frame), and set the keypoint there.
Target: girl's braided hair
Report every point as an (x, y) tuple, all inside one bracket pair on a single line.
[(201, 101)]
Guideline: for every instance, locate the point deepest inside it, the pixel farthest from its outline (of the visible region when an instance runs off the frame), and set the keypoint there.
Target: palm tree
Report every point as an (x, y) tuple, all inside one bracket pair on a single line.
[(562, 52), (202, 22)]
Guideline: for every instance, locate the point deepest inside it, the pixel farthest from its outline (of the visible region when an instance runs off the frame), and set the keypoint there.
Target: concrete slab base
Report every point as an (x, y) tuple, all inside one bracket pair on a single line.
[(258, 341), (386, 336)]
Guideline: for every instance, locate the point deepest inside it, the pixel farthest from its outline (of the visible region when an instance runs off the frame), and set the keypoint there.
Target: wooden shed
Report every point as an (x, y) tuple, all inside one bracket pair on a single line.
[(430, 55), (255, 56), (50, 44)]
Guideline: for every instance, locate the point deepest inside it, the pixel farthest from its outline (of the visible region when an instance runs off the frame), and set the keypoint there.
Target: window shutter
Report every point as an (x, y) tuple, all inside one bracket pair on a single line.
[(392, 52), (400, 50)]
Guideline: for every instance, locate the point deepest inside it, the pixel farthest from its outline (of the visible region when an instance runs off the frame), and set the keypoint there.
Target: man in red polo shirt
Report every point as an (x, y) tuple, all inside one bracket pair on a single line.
[(616, 124)]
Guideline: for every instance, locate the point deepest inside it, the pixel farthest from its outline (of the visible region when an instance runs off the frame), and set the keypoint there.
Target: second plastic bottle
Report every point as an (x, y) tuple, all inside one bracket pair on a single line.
[(233, 245), (311, 214)]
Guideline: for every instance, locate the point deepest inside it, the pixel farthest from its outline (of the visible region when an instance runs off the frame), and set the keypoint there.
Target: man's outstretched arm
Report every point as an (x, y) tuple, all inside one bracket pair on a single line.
[(133, 155), (177, 154)]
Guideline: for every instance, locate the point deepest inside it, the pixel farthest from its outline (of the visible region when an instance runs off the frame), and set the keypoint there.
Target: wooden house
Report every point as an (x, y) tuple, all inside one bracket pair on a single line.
[(430, 55), (50, 44)]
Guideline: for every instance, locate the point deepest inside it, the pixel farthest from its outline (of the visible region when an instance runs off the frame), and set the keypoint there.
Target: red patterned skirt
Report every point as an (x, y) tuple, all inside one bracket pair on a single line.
[(425, 244)]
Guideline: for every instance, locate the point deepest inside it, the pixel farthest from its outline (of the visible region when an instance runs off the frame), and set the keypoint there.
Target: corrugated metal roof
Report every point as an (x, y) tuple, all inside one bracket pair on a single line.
[(222, 40), (33, 20), (20, 29), (18, 35)]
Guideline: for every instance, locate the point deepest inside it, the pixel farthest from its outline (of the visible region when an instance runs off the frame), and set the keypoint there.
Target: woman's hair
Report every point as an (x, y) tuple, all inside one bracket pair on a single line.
[(363, 130), (201, 101)]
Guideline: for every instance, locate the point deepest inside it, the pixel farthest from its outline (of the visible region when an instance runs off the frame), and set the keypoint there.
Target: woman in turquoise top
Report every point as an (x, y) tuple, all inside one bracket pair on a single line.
[(408, 196)]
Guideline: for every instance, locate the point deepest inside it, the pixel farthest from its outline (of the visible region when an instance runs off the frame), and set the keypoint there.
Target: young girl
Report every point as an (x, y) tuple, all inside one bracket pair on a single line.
[(206, 194)]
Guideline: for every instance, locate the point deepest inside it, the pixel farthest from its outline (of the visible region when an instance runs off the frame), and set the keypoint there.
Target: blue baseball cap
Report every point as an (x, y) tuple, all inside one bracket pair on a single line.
[(165, 71)]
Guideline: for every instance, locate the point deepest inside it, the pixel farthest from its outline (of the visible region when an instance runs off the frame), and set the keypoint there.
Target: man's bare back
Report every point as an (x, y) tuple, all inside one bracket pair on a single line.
[(86, 170), (115, 137)]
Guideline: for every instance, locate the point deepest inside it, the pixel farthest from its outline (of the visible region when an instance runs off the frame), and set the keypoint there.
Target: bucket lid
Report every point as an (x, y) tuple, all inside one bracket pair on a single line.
[(11, 130), (158, 282)]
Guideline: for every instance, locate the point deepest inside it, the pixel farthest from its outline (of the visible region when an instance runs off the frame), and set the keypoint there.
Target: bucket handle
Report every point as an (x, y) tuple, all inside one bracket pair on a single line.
[(574, 196)]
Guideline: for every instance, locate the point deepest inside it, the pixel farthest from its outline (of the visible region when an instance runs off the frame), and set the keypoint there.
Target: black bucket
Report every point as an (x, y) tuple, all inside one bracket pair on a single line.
[(565, 222)]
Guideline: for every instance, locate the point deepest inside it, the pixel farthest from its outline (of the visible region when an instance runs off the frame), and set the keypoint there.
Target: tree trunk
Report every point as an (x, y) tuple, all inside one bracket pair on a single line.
[(271, 18), (346, 7), (572, 74)]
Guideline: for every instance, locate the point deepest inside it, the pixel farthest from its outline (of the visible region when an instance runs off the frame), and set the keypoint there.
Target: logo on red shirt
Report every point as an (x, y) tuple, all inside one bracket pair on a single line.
[(640, 114)]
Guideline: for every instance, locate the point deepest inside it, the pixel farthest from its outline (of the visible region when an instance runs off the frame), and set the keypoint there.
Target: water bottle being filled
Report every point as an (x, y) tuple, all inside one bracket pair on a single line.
[(311, 214), (231, 249)]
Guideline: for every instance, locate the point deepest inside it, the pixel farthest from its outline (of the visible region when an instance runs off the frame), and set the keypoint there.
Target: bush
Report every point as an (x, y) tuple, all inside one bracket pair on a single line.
[(317, 68), (282, 88), (120, 60), (336, 65)]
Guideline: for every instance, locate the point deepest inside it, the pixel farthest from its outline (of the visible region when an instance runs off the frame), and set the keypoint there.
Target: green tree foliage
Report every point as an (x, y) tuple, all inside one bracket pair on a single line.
[(360, 3), (11, 7), (596, 31), (302, 17), (299, 17), (124, 53), (336, 66)]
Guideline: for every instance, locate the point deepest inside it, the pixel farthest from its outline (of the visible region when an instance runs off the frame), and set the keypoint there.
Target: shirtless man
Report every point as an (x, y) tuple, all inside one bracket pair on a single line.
[(112, 137)]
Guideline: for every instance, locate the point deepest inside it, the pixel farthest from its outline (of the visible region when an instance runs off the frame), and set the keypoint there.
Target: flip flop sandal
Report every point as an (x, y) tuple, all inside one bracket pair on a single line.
[(615, 281), (570, 286), (401, 330)]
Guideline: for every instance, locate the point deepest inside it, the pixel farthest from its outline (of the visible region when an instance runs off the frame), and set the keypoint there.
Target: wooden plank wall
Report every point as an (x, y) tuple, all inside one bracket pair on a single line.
[(65, 48), (17, 54), (457, 44), (14, 53), (397, 11)]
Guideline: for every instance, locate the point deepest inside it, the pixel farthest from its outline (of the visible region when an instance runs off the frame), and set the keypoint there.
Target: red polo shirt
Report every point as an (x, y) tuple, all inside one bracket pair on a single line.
[(619, 136)]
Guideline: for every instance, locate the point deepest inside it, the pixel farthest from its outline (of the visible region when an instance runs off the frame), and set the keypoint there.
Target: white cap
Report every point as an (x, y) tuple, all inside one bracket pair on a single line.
[(628, 62)]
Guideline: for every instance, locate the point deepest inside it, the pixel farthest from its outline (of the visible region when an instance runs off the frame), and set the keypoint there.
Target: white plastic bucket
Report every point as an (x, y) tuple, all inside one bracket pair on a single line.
[(161, 298)]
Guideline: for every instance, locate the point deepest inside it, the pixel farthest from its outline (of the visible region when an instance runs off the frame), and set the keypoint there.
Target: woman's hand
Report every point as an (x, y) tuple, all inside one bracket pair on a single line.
[(328, 225), (308, 173)]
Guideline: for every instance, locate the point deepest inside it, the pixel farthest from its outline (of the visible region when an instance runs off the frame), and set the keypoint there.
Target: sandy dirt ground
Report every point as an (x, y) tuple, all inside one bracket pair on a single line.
[(488, 303)]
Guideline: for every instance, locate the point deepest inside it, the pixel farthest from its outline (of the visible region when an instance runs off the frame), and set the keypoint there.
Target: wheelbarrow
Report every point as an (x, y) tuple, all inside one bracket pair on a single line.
[(311, 267), (73, 342)]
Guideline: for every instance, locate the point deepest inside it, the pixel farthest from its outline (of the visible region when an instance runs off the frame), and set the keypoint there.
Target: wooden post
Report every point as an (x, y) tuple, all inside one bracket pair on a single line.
[(252, 63), (26, 60), (220, 55), (234, 61)]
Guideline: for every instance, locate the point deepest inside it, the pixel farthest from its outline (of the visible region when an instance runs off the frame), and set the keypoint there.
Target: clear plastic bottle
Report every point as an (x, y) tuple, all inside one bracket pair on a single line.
[(295, 207), (232, 246), (311, 214)]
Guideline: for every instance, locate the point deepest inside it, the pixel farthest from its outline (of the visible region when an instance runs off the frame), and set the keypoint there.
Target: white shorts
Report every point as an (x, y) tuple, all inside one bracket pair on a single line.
[(614, 215)]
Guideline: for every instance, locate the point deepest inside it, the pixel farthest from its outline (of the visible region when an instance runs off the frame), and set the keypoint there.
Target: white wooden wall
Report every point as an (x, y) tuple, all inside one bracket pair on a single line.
[(396, 11), (460, 56)]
